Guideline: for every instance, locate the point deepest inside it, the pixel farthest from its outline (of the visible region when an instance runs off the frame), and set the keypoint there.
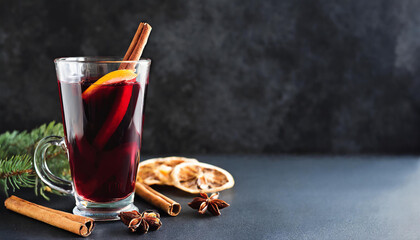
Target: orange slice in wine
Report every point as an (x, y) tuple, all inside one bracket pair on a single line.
[(115, 116), (110, 78), (118, 109)]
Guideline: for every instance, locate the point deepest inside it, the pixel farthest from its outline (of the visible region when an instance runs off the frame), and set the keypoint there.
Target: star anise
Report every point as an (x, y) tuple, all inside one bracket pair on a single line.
[(147, 221), (131, 219), (153, 220), (212, 203)]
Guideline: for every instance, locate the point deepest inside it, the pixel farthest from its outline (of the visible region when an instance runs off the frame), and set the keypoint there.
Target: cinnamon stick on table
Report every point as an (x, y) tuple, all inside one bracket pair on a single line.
[(136, 46), (158, 199), (79, 225)]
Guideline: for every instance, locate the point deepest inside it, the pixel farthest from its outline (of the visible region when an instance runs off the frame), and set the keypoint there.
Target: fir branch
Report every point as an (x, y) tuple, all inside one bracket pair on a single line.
[(16, 151), (17, 172)]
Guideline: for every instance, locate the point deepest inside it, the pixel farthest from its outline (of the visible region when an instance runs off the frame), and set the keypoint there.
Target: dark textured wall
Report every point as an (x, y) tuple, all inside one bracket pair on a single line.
[(235, 76)]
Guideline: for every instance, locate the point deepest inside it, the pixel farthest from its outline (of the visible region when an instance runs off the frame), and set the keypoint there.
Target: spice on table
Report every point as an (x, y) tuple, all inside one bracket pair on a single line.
[(212, 204), (136, 222), (153, 219), (159, 200), (82, 226), (131, 219)]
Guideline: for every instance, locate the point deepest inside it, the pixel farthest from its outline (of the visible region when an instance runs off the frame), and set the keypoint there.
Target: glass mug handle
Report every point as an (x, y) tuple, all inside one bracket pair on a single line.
[(42, 169)]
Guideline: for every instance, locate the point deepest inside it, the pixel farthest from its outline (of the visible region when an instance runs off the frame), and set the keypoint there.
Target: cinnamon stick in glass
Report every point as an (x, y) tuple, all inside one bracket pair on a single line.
[(158, 199), (136, 46), (133, 54), (79, 225)]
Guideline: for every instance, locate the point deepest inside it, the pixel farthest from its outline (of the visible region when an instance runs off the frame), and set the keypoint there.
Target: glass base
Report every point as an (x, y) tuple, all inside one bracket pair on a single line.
[(103, 211)]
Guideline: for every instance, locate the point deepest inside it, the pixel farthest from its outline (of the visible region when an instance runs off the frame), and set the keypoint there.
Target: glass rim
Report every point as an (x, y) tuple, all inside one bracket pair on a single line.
[(98, 59)]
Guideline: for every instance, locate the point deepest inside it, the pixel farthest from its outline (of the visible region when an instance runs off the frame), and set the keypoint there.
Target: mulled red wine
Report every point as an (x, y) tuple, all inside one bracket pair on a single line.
[(103, 136)]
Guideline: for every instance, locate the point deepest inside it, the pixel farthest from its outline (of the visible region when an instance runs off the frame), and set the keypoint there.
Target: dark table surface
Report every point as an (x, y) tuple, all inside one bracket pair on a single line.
[(275, 197)]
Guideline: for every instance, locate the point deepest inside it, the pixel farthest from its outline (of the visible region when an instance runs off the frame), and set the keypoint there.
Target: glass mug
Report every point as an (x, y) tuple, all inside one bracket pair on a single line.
[(102, 134)]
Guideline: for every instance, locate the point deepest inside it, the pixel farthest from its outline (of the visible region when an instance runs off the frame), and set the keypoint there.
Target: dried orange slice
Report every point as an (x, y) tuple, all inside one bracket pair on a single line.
[(196, 177), (158, 170)]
